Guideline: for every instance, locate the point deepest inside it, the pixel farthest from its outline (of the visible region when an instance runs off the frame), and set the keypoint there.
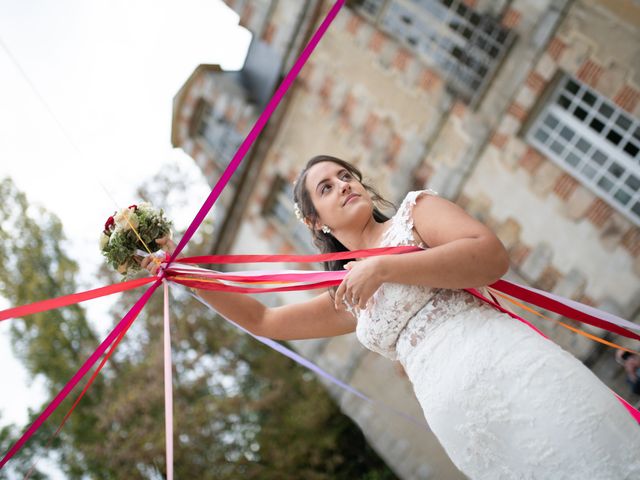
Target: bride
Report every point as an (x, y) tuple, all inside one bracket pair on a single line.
[(503, 401)]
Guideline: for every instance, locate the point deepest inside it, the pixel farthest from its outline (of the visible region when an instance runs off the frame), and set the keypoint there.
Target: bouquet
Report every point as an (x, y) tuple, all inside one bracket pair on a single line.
[(125, 232)]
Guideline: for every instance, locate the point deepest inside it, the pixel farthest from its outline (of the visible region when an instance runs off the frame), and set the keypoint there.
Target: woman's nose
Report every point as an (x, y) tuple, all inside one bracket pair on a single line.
[(344, 186)]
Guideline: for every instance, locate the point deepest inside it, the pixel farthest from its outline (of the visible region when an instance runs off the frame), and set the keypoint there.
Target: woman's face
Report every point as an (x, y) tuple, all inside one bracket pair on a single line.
[(337, 196)]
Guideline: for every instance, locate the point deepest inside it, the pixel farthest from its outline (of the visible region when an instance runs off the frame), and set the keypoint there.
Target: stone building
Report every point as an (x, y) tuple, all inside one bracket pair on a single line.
[(523, 112)]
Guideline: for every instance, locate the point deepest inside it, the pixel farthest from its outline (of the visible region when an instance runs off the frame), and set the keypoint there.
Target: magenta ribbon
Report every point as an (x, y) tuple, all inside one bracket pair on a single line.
[(199, 218)]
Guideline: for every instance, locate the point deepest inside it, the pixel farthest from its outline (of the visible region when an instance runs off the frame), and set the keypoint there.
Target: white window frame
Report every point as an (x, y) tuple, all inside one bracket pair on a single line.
[(570, 152)]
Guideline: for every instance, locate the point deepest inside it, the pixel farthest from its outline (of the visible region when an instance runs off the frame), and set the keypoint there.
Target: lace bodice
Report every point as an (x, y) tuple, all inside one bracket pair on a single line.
[(393, 305)]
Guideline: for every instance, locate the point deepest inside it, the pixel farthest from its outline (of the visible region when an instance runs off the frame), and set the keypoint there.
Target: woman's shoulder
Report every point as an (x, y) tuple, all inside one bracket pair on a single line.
[(411, 199)]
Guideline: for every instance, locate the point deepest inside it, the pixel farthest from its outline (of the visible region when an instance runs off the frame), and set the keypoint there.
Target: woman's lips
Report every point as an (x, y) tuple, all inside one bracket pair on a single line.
[(349, 198)]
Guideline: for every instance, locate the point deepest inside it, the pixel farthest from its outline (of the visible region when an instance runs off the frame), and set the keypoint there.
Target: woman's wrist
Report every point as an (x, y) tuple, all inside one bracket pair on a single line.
[(382, 268)]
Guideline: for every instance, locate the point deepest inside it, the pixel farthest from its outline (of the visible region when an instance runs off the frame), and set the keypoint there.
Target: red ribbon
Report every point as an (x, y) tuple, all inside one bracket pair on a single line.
[(72, 299)]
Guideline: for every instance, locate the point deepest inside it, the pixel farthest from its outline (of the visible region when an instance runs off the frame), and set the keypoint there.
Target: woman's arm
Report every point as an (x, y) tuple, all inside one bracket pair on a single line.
[(314, 318), (462, 253)]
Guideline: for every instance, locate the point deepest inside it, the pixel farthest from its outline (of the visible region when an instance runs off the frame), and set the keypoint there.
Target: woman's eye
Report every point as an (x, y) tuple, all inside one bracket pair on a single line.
[(324, 188)]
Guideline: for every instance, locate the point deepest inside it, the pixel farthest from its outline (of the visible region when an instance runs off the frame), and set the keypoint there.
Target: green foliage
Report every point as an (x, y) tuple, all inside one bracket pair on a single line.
[(241, 410), (133, 228)]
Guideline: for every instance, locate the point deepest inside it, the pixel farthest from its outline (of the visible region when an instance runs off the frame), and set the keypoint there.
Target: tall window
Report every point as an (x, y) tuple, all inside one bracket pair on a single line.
[(280, 208), (588, 135), (464, 45), (218, 133)]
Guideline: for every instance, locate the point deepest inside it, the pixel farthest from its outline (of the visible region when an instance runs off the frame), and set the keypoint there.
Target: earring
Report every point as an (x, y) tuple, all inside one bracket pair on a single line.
[(326, 229)]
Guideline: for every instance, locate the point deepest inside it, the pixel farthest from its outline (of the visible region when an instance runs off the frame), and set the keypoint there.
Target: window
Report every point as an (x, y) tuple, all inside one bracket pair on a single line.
[(218, 133), (464, 45), (280, 208), (370, 8), (595, 140)]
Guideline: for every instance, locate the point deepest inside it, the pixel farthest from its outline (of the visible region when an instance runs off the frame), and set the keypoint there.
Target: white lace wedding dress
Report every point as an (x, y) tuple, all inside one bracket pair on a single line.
[(505, 402)]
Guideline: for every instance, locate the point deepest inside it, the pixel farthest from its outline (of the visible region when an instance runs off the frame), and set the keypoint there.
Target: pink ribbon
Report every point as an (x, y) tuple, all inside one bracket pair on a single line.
[(168, 385)]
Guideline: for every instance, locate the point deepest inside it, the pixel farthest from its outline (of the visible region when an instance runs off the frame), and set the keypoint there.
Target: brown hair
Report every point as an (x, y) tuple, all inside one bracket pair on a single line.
[(326, 242)]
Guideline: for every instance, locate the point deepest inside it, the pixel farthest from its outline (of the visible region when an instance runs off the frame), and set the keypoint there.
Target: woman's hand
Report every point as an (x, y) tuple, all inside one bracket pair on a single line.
[(151, 262), (360, 283)]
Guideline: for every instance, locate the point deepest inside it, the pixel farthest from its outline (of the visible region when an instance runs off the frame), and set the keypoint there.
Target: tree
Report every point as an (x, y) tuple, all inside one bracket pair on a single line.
[(241, 409)]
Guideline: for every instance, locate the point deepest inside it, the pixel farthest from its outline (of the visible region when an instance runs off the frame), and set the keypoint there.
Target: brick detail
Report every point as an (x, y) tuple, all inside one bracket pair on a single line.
[(499, 140), (598, 212), (531, 160), (428, 80), (627, 98), (306, 72), (589, 72), (519, 254), (535, 82), (326, 88), (195, 150), (587, 300), (401, 59), (377, 41), (245, 16), (369, 128), (422, 175), (269, 33), (564, 186), (394, 148), (556, 48), (548, 279), (518, 111), (348, 106), (631, 241), (459, 109), (353, 25), (511, 18)]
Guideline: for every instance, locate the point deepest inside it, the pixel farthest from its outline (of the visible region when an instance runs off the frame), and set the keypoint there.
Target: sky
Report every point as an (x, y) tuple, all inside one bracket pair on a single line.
[(99, 121)]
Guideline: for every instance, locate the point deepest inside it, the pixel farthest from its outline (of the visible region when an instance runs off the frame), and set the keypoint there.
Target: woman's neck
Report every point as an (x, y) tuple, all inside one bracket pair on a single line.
[(361, 239)]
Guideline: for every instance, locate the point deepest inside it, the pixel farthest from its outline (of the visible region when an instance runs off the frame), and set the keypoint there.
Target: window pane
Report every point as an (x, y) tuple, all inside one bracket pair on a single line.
[(605, 184), (622, 196), (606, 110), (616, 169), (597, 125), (589, 171), (567, 133), (541, 135), (551, 121), (614, 137), (564, 102), (580, 113), (588, 98), (557, 147), (631, 149), (572, 159), (599, 157), (572, 86), (633, 182), (623, 121), (583, 145)]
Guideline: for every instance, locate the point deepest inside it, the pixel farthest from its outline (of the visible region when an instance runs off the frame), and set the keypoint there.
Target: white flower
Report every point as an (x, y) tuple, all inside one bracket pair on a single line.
[(104, 240), (126, 219), (297, 211), (146, 206)]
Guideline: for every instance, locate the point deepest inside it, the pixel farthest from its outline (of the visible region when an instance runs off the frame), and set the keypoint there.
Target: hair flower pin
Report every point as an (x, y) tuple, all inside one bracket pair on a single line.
[(298, 212)]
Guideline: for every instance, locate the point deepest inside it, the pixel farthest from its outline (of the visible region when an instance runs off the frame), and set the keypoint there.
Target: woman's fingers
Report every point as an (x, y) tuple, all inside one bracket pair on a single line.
[(167, 244)]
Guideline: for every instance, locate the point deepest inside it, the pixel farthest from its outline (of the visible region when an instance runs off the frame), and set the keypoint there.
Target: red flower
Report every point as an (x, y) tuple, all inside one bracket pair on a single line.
[(109, 224), (135, 207)]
